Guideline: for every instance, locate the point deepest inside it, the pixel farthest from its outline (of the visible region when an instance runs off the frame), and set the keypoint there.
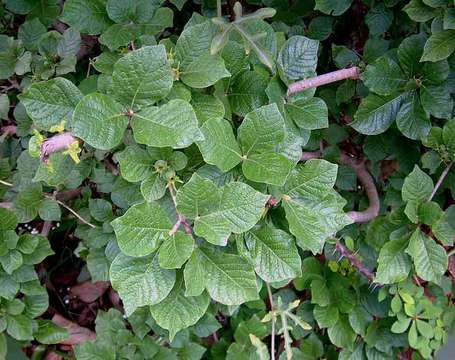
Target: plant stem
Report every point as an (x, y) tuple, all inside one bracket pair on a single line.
[(440, 180), (287, 337), (75, 214), (451, 252), (350, 73), (218, 8), (272, 308), (344, 251), (6, 183), (180, 218)]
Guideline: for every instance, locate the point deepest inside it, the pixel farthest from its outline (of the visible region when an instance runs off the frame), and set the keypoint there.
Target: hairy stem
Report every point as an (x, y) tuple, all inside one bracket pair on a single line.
[(440, 180), (351, 73), (218, 8), (344, 251), (272, 308), (55, 144), (365, 179)]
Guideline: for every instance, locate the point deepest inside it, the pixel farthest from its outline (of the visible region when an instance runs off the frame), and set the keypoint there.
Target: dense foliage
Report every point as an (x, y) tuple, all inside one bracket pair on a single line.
[(166, 194)]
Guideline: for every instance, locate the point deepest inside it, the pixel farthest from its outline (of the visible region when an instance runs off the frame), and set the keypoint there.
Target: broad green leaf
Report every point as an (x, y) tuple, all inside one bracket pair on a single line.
[(313, 209), (69, 43), (308, 114), (100, 209), (274, 254), (11, 261), (409, 53), (417, 186), (437, 101), (430, 258), (49, 210), (219, 146), (207, 107), (360, 319), (100, 121), (384, 76), (49, 333), (176, 250), (326, 316), (400, 326), (140, 281), (19, 327), (333, 7), (41, 251), (229, 279), (412, 120), (142, 77), (341, 334), (247, 92), (218, 212), (297, 58), (27, 203), (30, 32), (118, 35), (393, 264), (444, 228), (418, 11), (177, 311), (379, 19), (270, 168), (88, 16), (135, 164), (194, 275), (8, 219), (50, 102), (173, 124), (4, 106), (90, 350), (135, 11), (141, 229), (439, 46), (153, 187), (204, 71), (376, 113)]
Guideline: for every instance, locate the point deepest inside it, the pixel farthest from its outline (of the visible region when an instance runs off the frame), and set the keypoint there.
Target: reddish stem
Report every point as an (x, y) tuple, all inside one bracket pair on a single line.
[(55, 144), (9, 130), (345, 252), (350, 73)]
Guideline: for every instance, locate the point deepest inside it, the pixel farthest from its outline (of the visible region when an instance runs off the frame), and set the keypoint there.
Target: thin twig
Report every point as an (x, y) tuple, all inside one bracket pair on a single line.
[(451, 252), (218, 8), (440, 181), (75, 214), (272, 308), (345, 252), (6, 183), (308, 155), (350, 73), (47, 225)]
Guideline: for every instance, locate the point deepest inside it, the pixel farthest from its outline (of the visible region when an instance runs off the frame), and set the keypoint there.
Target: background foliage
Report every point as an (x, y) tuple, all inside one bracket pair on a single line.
[(165, 197)]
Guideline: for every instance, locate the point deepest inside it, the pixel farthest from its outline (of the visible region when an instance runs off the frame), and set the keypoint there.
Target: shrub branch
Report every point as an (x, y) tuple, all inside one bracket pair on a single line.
[(440, 181), (350, 73), (345, 252)]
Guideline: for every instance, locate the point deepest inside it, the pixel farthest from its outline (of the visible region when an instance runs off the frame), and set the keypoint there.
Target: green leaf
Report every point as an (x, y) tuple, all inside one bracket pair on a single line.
[(207, 107), (19, 327), (308, 114), (228, 278), (90, 350), (49, 333), (141, 229), (297, 58), (88, 16), (8, 220), (49, 210), (400, 326), (4, 106), (274, 254), (437, 101), (220, 147), (100, 209), (99, 121), (333, 7), (177, 311), (341, 334), (376, 113), (326, 316), (270, 168), (135, 163), (417, 186), (409, 53), (30, 32), (142, 77), (393, 264), (379, 19), (153, 187), (384, 76), (27, 203), (412, 120), (127, 11), (176, 250), (204, 71), (247, 92), (313, 209), (171, 125), (218, 212), (48, 103), (419, 12), (425, 329), (140, 281), (439, 46), (430, 258)]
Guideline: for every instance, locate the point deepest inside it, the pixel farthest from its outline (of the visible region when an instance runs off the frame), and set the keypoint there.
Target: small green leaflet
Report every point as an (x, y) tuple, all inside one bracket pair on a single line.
[(393, 264), (218, 212)]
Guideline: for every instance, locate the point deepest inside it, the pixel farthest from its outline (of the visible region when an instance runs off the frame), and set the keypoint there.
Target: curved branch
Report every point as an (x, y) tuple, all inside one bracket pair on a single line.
[(55, 144), (365, 179), (440, 181), (350, 73), (345, 252)]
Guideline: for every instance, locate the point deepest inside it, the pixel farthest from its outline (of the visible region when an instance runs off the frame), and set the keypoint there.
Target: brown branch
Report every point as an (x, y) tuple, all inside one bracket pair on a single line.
[(345, 252), (9, 130), (440, 181), (350, 73), (181, 220), (365, 179), (55, 144)]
